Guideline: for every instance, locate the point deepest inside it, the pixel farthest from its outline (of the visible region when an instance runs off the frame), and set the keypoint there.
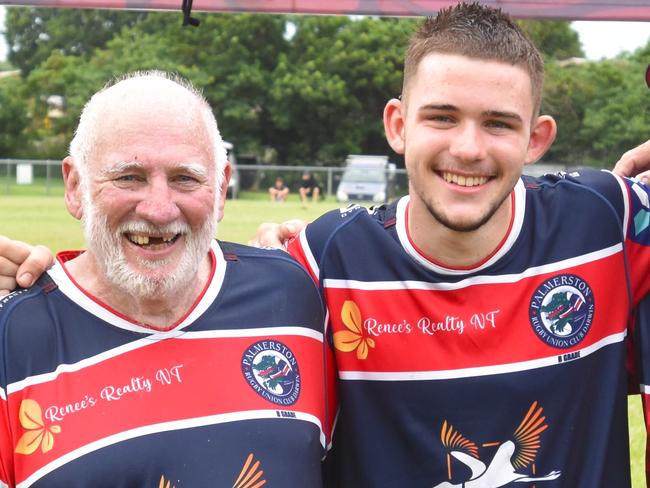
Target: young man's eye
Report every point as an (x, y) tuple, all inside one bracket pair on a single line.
[(498, 124), (441, 118)]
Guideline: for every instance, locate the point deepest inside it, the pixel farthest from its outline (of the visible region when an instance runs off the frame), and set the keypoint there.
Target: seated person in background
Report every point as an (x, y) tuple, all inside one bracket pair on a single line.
[(308, 187), (279, 191), (159, 355)]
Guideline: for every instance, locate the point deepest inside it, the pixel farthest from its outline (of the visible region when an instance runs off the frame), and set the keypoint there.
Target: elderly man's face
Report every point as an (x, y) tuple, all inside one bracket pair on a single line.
[(149, 207)]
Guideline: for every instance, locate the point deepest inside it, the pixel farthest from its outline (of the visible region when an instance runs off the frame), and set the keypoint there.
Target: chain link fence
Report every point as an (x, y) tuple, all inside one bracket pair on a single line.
[(43, 178)]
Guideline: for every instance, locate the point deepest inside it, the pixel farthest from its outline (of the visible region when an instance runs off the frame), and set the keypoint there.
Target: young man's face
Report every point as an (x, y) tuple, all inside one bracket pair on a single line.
[(465, 128)]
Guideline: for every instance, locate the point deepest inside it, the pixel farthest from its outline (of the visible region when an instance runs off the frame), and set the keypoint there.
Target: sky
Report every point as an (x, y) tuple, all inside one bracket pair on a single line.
[(599, 39)]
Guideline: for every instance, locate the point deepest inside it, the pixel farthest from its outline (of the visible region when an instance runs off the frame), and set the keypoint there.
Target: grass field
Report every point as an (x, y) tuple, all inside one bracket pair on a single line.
[(44, 220)]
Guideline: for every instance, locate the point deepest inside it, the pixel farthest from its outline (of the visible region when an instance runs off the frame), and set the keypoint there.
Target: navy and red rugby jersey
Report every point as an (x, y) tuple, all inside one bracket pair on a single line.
[(508, 373), (231, 396)]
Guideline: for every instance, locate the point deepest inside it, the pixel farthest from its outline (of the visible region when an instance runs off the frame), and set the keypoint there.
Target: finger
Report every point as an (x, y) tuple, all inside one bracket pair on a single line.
[(7, 268), (14, 251), (7, 285), (291, 228), (38, 261), (634, 161), (8, 271), (268, 235), (644, 177)]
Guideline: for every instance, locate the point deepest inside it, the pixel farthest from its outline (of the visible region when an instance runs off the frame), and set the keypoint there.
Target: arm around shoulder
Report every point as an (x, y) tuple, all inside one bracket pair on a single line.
[(21, 264)]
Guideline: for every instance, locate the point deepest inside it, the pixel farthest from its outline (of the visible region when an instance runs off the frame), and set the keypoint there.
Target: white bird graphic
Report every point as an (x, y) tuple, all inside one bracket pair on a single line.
[(510, 456)]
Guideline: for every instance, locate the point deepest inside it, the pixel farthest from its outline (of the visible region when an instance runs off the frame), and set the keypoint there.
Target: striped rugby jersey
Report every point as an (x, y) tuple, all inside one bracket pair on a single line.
[(508, 373), (231, 396)]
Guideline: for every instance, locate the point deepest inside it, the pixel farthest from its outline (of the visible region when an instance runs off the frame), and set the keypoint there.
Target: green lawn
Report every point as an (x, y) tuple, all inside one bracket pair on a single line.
[(44, 220)]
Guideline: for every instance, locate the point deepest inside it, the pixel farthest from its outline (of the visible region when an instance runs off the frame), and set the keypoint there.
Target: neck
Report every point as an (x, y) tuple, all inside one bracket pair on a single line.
[(452, 248), (160, 312)]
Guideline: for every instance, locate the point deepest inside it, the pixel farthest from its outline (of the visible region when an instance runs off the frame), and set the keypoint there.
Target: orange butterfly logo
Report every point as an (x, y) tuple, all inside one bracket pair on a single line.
[(354, 337), (37, 434)]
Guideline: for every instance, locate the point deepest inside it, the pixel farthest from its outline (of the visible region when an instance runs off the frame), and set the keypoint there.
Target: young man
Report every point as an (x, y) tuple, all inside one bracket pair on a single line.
[(308, 188), (279, 191), (479, 323), (159, 356)]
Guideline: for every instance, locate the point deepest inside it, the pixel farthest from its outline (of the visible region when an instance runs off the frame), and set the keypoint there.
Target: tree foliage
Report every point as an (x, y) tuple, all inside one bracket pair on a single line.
[(291, 89), (33, 34)]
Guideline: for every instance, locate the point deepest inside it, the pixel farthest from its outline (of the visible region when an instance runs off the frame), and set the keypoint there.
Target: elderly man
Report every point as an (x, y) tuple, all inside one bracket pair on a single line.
[(159, 357)]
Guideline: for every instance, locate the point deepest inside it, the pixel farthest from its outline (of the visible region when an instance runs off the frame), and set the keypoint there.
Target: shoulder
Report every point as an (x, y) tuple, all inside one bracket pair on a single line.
[(587, 184), (271, 285), (21, 301), (27, 331), (265, 265), (351, 217)]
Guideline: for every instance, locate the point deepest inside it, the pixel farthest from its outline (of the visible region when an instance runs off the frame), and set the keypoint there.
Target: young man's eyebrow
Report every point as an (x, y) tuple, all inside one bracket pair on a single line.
[(503, 115), (439, 106)]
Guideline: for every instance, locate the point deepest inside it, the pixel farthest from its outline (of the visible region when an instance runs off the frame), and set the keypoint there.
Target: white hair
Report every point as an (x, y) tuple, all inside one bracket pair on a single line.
[(87, 132)]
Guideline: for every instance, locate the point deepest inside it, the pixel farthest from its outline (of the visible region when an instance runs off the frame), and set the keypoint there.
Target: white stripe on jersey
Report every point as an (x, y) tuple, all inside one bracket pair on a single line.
[(153, 339), (642, 194), (645, 389), (71, 290), (477, 280), (311, 261), (478, 371), (626, 200), (165, 427)]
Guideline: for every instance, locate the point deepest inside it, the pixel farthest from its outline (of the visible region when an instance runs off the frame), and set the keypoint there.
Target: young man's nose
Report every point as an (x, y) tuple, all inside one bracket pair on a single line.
[(467, 143)]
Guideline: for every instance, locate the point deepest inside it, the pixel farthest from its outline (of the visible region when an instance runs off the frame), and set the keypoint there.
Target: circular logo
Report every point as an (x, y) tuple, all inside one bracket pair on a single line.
[(271, 369), (561, 310)]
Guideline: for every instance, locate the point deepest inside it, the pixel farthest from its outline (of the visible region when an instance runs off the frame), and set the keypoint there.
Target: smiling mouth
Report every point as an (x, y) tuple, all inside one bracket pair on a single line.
[(461, 180), (150, 241)]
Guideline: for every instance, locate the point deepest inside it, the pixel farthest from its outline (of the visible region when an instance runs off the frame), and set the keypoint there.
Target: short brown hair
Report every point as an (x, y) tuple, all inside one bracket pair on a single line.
[(479, 32)]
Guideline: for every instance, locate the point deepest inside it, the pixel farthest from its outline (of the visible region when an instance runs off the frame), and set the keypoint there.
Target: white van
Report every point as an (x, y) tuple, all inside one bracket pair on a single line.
[(366, 178)]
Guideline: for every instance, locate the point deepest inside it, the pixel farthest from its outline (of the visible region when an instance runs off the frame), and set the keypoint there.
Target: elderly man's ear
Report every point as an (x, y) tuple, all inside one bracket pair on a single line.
[(227, 173), (72, 183)]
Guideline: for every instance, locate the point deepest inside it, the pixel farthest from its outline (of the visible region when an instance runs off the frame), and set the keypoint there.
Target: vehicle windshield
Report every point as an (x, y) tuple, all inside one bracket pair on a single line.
[(364, 175)]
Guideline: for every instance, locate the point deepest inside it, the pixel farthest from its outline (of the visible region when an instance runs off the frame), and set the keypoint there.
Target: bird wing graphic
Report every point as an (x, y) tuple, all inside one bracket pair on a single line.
[(452, 439), (475, 465), (526, 436)]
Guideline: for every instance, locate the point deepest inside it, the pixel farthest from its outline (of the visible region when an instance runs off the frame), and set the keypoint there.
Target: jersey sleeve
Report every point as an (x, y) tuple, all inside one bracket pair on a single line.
[(629, 200), (641, 346), (6, 443), (308, 249), (638, 236)]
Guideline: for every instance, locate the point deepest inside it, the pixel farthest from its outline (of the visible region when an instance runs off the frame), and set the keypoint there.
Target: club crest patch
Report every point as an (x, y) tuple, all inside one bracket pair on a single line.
[(561, 310), (271, 369)]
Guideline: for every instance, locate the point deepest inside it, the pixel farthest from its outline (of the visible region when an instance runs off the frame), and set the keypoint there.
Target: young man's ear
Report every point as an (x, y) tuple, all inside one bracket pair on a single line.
[(72, 183), (223, 191), (394, 124), (542, 136)]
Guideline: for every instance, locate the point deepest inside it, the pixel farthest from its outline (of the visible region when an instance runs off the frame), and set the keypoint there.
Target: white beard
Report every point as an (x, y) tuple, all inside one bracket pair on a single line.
[(106, 246)]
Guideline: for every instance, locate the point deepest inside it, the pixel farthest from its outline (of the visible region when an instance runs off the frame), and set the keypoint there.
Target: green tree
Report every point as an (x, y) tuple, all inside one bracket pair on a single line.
[(33, 34), (14, 117), (555, 39), (329, 91)]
